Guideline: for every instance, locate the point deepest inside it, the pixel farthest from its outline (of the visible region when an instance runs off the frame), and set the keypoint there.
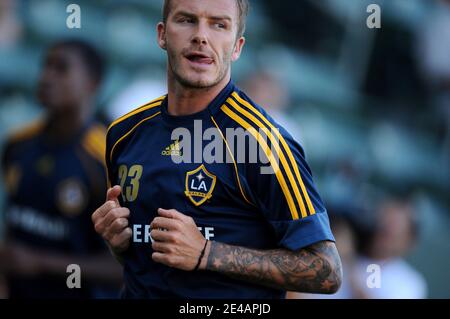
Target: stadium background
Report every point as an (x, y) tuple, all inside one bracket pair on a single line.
[(371, 107)]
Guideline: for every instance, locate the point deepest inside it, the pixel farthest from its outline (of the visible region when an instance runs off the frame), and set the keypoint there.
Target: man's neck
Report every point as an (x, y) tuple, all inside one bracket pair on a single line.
[(63, 127), (184, 101)]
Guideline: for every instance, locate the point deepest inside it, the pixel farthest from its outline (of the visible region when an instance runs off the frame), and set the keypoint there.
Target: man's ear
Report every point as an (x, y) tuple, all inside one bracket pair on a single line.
[(238, 49), (161, 29)]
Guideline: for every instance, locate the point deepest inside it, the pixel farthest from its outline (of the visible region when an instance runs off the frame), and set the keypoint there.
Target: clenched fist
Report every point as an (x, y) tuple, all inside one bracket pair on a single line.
[(177, 241), (111, 222)]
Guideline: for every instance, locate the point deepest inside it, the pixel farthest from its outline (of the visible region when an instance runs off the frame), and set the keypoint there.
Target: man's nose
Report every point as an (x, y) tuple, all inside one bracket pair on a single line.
[(201, 36)]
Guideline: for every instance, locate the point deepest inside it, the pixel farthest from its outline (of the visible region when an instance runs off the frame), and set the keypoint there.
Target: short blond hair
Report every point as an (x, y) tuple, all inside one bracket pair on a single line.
[(243, 6)]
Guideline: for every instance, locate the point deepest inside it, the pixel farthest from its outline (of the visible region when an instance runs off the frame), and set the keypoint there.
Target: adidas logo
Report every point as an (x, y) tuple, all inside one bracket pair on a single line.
[(173, 150)]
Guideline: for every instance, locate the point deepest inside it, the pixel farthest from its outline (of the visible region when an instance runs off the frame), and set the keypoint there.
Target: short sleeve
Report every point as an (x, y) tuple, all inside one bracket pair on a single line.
[(287, 197)]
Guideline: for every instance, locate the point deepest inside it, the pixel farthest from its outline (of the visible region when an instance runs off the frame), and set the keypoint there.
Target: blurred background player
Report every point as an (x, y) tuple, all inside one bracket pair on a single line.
[(395, 235), (54, 176), (386, 242)]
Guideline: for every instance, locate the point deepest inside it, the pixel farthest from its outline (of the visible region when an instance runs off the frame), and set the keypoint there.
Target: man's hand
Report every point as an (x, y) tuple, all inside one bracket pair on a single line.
[(177, 241), (111, 222)]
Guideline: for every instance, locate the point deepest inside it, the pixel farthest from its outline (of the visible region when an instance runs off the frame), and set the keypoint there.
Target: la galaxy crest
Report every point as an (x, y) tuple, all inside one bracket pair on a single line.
[(71, 197), (199, 185)]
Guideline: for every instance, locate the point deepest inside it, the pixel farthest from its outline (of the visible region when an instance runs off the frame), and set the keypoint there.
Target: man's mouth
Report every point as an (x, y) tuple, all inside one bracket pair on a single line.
[(199, 58)]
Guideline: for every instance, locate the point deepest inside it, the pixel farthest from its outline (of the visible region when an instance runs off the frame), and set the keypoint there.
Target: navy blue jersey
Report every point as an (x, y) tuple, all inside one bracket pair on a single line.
[(51, 192), (232, 201)]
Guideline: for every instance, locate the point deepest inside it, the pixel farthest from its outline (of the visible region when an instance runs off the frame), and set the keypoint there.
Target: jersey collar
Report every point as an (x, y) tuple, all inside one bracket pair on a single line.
[(211, 110)]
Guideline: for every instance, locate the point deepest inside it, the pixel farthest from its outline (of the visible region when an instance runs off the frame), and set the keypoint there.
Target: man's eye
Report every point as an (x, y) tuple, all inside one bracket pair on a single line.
[(186, 20), (220, 25)]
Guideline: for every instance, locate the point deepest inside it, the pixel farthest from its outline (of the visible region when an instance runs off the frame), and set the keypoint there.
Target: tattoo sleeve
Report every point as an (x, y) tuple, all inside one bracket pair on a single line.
[(314, 269)]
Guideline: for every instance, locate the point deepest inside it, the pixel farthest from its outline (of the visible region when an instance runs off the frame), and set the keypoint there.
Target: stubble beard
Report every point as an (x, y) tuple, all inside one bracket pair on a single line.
[(186, 82)]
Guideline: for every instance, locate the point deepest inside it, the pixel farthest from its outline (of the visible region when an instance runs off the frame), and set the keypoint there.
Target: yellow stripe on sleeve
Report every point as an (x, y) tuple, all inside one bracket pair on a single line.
[(99, 138), (94, 150), (27, 132), (286, 148), (95, 142), (279, 152), (273, 161)]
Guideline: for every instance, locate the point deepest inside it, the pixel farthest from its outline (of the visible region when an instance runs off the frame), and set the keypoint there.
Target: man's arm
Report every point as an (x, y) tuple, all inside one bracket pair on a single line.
[(178, 244), (314, 269)]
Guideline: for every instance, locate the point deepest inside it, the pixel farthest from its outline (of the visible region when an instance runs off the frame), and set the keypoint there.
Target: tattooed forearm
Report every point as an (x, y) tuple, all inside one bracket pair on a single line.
[(315, 269)]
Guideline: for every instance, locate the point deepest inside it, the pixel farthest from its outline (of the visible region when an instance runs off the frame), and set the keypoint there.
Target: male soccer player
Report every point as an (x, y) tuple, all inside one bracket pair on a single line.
[(55, 176), (202, 229)]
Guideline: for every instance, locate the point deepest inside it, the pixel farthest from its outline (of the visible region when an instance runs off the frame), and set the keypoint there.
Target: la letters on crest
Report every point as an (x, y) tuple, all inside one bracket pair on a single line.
[(200, 185)]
